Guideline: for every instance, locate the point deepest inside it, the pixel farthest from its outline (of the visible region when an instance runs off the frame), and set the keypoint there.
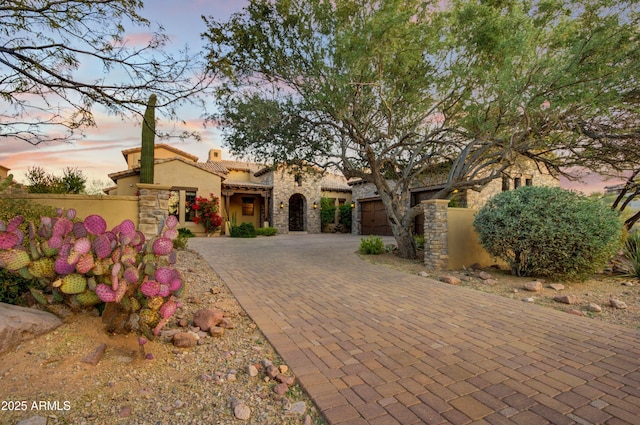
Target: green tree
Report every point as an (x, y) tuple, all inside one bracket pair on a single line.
[(385, 91), (43, 45), (40, 181)]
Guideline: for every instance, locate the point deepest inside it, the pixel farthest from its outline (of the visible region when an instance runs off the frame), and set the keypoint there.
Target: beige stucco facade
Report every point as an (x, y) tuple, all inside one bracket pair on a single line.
[(248, 192)]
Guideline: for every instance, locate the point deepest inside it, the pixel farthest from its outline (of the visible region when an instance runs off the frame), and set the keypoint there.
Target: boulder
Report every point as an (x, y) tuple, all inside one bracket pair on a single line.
[(451, 280), (18, 324), (533, 286), (185, 340), (566, 299), (206, 318)]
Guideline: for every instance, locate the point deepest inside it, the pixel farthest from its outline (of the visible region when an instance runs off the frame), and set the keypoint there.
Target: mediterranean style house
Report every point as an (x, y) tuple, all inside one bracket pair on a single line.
[(248, 192), (289, 199)]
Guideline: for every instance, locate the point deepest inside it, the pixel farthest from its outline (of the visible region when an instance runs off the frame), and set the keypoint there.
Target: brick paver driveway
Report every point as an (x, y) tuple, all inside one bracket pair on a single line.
[(373, 345)]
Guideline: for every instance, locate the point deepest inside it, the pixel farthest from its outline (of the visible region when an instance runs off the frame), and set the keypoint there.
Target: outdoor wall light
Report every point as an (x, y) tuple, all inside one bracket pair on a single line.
[(315, 205), (353, 204), (281, 205)]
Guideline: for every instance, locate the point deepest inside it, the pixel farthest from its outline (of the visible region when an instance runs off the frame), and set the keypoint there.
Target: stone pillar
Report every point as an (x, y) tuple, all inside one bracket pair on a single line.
[(436, 234), (153, 207)]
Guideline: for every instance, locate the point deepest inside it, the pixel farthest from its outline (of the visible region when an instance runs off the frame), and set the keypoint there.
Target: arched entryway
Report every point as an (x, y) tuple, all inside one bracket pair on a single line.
[(296, 213)]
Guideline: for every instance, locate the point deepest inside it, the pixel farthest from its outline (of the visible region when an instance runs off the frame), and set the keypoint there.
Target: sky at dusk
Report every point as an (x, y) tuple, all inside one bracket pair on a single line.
[(99, 153)]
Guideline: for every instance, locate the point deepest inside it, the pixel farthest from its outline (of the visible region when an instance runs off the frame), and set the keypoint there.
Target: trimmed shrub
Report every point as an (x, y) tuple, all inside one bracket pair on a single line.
[(373, 245), (547, 231), (245, 230), (31, 211), (266, 231)]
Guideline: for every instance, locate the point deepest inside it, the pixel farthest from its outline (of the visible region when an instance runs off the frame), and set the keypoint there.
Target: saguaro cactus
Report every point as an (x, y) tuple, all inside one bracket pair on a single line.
[(148, 141)]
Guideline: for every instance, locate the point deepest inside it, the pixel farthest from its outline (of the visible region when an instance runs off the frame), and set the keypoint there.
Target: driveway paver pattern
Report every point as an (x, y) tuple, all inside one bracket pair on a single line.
[(372, 345)]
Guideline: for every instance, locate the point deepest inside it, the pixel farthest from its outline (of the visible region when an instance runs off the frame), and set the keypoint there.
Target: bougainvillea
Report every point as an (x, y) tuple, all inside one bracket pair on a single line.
[(207, 213)]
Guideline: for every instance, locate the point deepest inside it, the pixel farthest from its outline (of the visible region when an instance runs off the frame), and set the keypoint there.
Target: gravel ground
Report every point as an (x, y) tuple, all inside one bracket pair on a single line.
[(208, 384)]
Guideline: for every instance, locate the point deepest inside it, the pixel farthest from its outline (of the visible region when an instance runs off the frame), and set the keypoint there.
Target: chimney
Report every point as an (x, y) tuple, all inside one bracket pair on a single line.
[(215, 155)]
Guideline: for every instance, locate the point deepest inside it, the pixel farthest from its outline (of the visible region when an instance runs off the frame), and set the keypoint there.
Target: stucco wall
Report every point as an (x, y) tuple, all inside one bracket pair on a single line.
[(114, 209), (463, 243)]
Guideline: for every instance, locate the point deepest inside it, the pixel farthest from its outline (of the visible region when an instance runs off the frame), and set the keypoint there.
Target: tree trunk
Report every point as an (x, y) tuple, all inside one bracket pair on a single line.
[(404, 240)]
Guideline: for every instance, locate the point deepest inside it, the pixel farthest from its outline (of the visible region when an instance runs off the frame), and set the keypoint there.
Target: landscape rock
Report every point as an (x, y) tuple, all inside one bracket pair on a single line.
[(124, 412), (95, 356), (226, 323), (565, 299), (423, 274), (242, 411), (33, 420), (575, 312), (485, 275), (451, 280), (252, 370), (557, 286), (533, 286), (490, 282), (281, 388), (595, 308), (185, 340), (299, 408), (617, 303), (206, 318), (18, 324), (283, 368), (289, 380), (216, 331), (272, 371), (529, 300)]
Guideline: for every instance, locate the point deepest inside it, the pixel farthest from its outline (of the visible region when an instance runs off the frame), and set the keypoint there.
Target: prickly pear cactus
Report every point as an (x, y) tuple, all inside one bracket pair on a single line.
[(83, 264)]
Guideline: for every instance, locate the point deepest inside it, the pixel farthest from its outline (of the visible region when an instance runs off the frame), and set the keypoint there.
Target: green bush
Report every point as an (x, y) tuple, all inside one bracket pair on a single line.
[(419, 241), (550, 232), (327, 211), (186, 233), (245, 230), (266, 231), (345, 215), (31, 211), (632, 252), (373, 245), (182, 241)]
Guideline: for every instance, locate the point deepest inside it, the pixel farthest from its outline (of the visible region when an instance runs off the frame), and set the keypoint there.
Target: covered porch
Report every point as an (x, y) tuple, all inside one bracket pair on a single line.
[(246, 202)]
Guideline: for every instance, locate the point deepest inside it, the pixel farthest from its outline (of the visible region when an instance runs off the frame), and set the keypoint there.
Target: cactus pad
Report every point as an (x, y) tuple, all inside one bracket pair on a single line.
[(85, 263), (149, 318), (74, 283), (95, 224), (162, 246), (172, 222), (88, 298), (131, 275), (43, 267), (14, 259), (163, 291), (150, 288), (105, 293), (62, 266), (154, 303), (164, 275), (8, 240), (102, 246)]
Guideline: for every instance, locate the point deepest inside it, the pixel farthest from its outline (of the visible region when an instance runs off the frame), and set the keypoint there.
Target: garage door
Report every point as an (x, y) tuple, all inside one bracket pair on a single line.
[(374, 219)]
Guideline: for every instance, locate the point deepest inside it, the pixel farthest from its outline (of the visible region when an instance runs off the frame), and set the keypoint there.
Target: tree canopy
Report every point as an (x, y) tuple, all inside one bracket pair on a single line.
[(50, 51), (385, 91)]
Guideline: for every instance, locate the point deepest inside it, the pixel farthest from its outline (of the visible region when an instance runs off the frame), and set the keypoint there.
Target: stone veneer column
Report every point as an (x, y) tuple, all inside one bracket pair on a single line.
[(153, 207), (436, 234)]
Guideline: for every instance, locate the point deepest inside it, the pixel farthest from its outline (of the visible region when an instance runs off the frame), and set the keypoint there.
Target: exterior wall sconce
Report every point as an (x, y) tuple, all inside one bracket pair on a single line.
[(315, 205), (353, 204), (281, 205)]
